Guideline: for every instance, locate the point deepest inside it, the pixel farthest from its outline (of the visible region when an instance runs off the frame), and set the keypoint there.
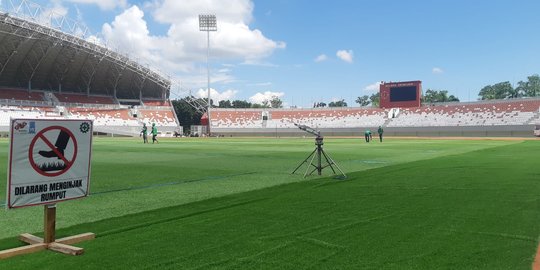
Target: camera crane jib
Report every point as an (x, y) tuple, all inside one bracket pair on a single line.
[(309, 129), (319, 153)]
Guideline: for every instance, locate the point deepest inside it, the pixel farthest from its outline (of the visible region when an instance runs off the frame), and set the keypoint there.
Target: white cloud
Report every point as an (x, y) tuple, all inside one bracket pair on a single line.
[(182, 49), (52, 13), (102, 4), (198, 80), (266, 96), (216, 96), (346, 56), (234, 39), (321, 58), (437, 70), (372, 88), (94, 39), (129, 33)]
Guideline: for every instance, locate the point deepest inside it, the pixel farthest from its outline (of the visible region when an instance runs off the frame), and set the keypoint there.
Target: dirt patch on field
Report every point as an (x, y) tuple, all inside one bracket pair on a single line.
[(446, 138), (473, 138), (536, 263)]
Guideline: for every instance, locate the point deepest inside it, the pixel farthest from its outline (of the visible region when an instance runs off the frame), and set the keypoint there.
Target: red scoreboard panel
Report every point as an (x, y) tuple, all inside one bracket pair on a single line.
[(400, 94)]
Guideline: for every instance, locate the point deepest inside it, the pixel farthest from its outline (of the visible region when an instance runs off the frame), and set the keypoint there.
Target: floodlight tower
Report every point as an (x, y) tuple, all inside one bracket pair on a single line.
[(208, 22)]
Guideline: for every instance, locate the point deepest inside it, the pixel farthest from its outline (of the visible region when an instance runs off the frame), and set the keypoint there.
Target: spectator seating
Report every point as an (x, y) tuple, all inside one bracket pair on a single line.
[(107, 114), (7, 112), (490, 113), (286, 118), (161, 117), (153, 102), (468, 114), (21, 94), (82, 98), (510, 112), (104, 117)]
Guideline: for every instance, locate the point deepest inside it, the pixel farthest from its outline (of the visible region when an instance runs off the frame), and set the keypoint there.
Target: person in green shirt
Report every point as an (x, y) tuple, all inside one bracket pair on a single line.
[(154, 133), (144, 131), (367, 135), (380, 131)]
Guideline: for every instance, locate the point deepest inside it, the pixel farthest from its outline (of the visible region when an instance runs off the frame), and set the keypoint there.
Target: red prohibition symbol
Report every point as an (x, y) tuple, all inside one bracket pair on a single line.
[(56, 150)]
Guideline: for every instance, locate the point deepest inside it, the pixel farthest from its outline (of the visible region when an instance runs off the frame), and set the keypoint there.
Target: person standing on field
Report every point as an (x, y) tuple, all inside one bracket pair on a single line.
[(380, 131), (154, 133), (144, 133)]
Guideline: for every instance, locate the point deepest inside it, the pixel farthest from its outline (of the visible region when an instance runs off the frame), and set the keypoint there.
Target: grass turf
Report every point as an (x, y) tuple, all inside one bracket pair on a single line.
[(421, 205)]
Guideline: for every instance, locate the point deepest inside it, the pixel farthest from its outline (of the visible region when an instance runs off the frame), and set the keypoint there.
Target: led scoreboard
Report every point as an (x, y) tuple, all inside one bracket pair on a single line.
[(400, 94)]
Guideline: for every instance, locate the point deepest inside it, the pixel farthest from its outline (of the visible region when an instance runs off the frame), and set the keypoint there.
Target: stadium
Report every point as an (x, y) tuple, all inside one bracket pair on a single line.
[(50, 69), (452, 186)]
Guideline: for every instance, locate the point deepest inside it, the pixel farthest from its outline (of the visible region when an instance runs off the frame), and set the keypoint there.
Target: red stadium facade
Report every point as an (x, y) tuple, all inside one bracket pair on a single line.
[(400, 94)]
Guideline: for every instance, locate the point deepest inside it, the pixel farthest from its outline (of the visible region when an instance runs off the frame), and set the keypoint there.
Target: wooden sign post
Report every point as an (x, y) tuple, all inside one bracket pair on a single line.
[(62, 245), (49, 162)]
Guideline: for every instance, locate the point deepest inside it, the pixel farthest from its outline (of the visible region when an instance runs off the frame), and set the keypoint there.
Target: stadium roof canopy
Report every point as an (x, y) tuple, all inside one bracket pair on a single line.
[(49, 52)]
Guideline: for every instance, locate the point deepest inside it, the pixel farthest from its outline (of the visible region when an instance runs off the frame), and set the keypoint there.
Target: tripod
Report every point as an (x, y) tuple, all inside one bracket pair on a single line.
[(319, 154)]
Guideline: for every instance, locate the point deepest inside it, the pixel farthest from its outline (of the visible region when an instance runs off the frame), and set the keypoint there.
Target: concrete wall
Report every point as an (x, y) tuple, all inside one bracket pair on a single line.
[(476, 131)]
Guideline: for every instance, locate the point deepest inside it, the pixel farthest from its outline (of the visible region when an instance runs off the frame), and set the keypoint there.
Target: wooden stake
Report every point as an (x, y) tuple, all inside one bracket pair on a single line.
[(30, 239), (65, 249), (76, 238), (50, 223), (4, 254)]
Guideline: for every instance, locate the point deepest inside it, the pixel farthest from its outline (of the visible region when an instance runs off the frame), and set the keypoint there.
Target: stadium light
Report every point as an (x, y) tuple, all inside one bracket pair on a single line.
[(207, 23)]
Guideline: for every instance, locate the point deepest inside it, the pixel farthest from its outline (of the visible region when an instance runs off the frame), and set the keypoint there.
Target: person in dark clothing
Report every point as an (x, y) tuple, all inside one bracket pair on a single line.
[(144, 133), (154, 133), (380, 131), (367, 135)]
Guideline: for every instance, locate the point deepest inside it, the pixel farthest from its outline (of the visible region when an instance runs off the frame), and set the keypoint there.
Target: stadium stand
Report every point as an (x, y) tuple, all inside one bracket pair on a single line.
[(71, 77), (118, 120), (21, 94), (286, 118), (507, 112), (149, 102), (512, 112), (7, 112), (162, 117), (104, 117), (498, 117), (81, 98)]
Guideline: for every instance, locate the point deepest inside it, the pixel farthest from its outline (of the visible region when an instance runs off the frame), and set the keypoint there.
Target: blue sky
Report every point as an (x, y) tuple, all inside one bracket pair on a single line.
[(289, 48)]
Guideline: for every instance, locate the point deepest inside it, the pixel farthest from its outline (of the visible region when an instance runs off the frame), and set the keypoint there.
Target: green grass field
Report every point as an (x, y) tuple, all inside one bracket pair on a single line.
[(233, 204)]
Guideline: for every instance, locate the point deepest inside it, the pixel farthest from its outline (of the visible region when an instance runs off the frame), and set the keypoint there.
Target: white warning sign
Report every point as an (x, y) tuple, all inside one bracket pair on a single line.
[(49, 161)]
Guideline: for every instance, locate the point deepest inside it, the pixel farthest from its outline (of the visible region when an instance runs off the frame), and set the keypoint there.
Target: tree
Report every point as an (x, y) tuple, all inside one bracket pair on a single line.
[(339, 103), (225, 104), (363, 100), (453, 98), (241, 104), (276, 102), (432, 96), (487, 92), (375, 99), (265, 104), (319, 105), (500, 90), (530, 88), (187, 115)]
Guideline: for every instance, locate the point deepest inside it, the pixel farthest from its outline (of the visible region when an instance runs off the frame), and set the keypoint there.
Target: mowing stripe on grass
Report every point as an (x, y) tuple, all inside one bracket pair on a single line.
[(217, 177), (175, 218)]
